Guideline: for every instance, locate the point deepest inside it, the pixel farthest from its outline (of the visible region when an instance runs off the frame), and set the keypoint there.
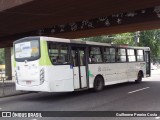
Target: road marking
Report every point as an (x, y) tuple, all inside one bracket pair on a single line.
[(138, 90)]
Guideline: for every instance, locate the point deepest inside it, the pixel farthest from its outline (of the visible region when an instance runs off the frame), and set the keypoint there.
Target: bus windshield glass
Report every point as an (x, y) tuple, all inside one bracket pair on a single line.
[(27, 50)]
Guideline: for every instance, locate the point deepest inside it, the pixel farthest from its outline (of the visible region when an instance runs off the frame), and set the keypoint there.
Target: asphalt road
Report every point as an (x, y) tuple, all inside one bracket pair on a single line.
[(120, 97)]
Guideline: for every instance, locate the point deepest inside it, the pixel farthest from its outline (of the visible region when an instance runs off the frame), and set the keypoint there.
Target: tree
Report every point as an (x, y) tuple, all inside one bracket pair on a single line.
[(1, 56), (125, 38), (104, 39), (151, 39)]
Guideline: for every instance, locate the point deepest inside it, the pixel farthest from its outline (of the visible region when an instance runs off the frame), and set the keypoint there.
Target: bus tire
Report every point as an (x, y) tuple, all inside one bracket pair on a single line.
[(139, 77), (98, 83)]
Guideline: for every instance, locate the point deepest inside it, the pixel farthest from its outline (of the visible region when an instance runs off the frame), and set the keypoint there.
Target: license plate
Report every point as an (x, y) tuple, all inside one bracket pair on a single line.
[(28, 82)]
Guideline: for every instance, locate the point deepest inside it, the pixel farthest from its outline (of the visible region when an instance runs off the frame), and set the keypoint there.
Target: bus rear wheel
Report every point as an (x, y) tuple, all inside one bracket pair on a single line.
[(139, 77), (98, 83)]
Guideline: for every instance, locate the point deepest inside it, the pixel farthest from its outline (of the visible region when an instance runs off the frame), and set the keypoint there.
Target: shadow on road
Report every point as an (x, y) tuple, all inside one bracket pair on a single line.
[(110, 89)]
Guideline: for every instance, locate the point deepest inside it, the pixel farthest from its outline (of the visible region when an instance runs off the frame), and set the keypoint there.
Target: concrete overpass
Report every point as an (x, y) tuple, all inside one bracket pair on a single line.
[(74, 18)]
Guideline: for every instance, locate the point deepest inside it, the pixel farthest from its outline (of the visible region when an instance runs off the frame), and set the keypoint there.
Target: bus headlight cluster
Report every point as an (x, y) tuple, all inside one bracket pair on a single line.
[(41, 75)]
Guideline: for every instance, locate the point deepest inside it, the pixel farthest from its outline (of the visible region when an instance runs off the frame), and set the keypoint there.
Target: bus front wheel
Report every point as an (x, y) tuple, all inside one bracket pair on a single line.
[(98, 83)]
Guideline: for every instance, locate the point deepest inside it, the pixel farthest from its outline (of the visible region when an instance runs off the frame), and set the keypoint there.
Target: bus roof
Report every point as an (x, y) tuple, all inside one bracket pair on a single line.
[(79, 41)]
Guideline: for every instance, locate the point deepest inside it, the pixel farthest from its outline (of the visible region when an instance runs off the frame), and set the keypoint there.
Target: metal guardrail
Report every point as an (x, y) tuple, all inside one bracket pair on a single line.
[(7, 87)]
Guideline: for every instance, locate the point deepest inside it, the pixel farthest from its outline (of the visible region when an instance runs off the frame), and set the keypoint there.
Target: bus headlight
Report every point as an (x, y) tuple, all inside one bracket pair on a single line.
[(42, 76)]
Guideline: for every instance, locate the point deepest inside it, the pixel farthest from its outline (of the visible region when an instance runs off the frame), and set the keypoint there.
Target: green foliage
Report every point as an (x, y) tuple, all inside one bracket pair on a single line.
[(1, 56), (103, 39), (151, 39), (125, 38)]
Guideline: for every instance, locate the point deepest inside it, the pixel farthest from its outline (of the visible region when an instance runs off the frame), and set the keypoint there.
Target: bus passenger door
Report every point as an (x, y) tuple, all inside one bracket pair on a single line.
[(78, 56), (148, 63)]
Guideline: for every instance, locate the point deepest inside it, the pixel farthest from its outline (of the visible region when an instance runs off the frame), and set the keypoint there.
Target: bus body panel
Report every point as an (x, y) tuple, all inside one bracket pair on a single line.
[(121, 73), (57, 79), (60, 78), (114, 73), (28, 73), (43, 87), (132, 71)]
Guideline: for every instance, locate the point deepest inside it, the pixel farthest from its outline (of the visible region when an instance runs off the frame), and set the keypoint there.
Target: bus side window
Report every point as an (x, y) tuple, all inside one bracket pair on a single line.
[(60, 59), (140, 55), (106, 54), (118, 58), (58, 53), (131, 55), (109, 54), (121, 56), (54, 59), (93, 59), (95, 54)]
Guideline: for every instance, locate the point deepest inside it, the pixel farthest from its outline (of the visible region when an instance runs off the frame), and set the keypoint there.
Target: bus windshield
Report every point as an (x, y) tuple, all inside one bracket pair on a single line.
[(27, 50)]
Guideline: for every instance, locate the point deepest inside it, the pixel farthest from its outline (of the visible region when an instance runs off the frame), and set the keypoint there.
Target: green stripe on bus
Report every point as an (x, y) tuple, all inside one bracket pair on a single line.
[(44, 60), (14, 63), (90, 74)]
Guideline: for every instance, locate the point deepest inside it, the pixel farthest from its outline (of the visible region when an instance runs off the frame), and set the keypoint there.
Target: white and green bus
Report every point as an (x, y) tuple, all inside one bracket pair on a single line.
[(60, 65)]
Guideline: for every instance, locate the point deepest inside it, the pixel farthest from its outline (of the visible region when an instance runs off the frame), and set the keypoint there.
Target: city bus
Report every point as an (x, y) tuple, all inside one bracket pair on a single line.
[(51, 64)]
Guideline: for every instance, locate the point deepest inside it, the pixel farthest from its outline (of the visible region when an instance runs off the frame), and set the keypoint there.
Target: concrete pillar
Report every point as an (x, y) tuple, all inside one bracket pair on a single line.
[(8, 69)]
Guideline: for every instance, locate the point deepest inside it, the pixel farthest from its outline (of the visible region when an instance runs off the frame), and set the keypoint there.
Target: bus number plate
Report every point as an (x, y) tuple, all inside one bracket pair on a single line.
[(28, 82)]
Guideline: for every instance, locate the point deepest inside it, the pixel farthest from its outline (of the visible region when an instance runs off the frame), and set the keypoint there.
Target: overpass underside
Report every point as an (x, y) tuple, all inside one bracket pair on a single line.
[(75, 19)]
